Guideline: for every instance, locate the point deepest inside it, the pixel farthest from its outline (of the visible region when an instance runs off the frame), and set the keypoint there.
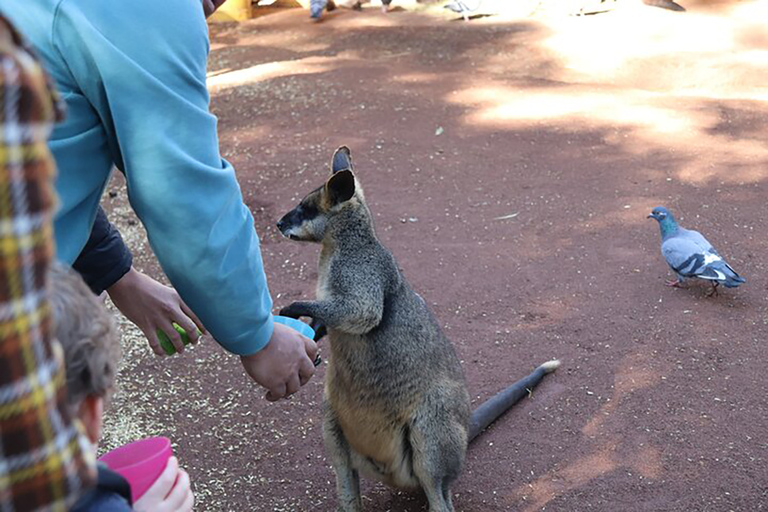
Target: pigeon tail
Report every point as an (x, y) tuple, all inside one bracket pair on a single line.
[(722, 272), (463, 7)]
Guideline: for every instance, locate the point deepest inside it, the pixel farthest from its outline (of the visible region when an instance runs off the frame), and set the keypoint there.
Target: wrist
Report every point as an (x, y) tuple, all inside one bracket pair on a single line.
[(127, 281)]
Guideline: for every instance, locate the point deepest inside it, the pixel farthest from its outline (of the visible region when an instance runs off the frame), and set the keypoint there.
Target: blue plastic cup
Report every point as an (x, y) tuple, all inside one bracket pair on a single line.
[(296, 325), (300, 327)]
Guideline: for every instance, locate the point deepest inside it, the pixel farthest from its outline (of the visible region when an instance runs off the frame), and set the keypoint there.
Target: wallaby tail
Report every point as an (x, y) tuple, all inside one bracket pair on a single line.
[(491, 409)]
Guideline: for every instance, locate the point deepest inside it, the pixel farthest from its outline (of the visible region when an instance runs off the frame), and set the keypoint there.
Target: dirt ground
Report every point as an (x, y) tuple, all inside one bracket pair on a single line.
[(510, 163)]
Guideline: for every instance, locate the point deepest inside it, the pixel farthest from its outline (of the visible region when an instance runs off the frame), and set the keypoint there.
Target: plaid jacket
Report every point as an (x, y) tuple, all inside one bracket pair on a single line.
[(45, 462)]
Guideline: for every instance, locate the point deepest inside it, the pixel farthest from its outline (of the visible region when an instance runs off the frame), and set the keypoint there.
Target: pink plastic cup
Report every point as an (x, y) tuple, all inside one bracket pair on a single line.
[(140, 462)]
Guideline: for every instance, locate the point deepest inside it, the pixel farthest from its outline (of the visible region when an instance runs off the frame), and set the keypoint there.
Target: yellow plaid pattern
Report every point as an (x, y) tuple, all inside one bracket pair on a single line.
[(45, 462)]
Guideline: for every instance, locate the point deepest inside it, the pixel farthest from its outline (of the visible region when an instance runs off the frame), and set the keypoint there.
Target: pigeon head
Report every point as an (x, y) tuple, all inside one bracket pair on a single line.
[(666, 220), (660, 213)]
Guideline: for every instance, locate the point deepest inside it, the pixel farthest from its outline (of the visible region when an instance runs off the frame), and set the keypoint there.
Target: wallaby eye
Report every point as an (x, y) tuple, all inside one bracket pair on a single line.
[(307, 211)]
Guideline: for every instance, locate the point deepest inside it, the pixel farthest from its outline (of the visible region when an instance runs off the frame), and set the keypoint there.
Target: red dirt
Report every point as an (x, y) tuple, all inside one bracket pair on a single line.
[(578, 127)]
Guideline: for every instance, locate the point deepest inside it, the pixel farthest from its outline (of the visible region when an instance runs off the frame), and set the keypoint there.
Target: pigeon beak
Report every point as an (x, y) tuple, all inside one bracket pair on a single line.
[(650, 216)]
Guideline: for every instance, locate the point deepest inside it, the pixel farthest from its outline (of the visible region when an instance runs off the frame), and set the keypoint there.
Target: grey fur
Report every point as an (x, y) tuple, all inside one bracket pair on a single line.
[(396, 406)]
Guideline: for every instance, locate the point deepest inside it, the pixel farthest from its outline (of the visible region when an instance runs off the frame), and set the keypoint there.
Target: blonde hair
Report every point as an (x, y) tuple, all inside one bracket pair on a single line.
[(87, 334)]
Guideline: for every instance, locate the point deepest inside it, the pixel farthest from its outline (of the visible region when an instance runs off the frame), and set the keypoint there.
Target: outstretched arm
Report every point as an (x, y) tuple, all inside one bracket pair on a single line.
[(142, 67)]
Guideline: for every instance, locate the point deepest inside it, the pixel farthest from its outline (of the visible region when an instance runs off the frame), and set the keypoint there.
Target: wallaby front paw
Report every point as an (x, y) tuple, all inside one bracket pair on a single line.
[(319, 327), (292, 311)]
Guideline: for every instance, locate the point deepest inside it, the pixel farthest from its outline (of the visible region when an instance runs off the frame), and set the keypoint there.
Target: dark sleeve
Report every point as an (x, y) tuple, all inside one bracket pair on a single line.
[(105, 258), (111, 494)]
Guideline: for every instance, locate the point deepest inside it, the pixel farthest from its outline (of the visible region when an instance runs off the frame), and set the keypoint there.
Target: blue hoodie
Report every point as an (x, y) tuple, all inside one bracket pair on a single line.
[(133, 77)]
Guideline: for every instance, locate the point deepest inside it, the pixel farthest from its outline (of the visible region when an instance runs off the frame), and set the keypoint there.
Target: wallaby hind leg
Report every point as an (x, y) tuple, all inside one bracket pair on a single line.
[(439, 445), (347, 478), (438, 495), (447, 496)]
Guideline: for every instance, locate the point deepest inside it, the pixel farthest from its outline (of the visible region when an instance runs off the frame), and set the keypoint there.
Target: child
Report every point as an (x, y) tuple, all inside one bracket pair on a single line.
[(91, 353)]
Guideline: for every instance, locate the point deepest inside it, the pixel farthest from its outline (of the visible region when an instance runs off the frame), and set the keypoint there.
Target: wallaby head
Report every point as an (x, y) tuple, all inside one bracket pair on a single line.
[(309, 220)]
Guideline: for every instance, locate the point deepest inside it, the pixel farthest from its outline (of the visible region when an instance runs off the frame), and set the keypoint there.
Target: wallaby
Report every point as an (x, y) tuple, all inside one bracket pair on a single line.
[(396, 405)]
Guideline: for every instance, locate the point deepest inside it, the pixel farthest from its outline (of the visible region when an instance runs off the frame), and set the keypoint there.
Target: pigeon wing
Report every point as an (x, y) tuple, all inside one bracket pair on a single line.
[(686, 257), (698, 239)]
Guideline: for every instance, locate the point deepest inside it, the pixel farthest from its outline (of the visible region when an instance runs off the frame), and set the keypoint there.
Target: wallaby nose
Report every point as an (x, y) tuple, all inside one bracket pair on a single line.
[(281, 225)]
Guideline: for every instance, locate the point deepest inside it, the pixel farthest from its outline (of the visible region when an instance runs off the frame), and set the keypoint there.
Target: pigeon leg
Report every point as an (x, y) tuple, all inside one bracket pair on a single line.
[(676, 283), (714, 292)]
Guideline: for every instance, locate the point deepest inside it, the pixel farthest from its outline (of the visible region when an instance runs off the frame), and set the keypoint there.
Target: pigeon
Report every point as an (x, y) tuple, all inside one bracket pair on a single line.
[(665, 4), (316, 8), (691, 255), (464, 7)]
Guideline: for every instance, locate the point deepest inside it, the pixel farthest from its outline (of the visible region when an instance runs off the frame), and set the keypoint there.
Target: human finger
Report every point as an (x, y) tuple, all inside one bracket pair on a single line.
[(189, 326), (154, 342), (306, 371), (294, 384), (275, 393), (173, 335), (191, 314), (160, 488), (311, 348), (179, 492), (189, 502)]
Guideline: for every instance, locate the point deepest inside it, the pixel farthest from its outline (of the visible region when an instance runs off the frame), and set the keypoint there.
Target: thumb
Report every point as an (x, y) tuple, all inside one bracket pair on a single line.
[(160, 489), (311, 348)]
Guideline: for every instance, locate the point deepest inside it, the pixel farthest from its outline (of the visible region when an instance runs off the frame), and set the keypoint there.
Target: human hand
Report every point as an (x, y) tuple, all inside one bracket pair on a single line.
[(152, 306), (284, 365), (171, 492)]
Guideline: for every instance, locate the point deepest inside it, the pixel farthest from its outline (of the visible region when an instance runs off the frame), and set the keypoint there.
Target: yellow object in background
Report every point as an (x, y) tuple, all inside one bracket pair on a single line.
[(233, 10)]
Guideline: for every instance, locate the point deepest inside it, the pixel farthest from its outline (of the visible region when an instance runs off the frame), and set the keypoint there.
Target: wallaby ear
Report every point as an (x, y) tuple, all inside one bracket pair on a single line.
[(340, 187), (342, 159)]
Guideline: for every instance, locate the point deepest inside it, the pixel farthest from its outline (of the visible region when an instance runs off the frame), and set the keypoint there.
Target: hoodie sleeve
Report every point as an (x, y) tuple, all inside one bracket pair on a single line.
[(105, 258), (142, 67)]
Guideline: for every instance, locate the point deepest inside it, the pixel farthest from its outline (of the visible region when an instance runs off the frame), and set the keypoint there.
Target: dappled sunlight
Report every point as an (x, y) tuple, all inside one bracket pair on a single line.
[(655, 122), (605, 459), (304, 42), (411, 78), (631, 375), (649, 80), (588, 105), (651, 48), (537, 494), (609, 452), (270, 70)]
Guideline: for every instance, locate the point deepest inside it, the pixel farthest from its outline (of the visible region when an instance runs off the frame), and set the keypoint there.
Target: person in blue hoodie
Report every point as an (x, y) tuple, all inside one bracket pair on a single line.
[(133, 78)]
